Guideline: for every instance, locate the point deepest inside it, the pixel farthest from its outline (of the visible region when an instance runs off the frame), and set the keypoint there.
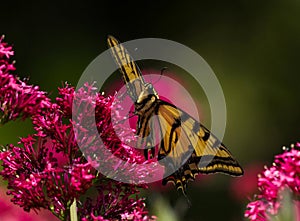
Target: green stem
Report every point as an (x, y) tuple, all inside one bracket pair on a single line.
[(73, 211)]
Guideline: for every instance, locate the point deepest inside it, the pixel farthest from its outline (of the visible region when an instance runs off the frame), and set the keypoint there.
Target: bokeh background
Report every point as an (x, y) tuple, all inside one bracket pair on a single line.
[(252, 46)]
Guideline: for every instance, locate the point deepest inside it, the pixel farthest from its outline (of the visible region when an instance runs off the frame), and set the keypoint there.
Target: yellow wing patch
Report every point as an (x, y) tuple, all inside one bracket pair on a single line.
[(131, 73)]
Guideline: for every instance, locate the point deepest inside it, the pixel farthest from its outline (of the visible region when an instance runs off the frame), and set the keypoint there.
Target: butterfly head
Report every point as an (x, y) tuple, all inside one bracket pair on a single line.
[(147, 96)]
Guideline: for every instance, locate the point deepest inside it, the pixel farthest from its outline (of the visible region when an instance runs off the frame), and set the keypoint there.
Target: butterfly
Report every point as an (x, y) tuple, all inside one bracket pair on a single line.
[(183, 139)]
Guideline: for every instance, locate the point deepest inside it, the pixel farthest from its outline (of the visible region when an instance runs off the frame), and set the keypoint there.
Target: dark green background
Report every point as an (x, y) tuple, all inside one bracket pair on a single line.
[(252, 46)]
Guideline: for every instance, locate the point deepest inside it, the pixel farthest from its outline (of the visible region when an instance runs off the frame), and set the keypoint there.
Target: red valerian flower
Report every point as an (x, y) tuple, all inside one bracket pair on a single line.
[(9, 212), (117, 205), (284, 173), (38, 179), (49, 170), (17, 99)]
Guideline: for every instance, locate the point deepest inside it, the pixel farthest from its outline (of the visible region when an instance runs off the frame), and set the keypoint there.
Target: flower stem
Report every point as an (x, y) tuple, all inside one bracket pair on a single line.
[(297, 209), (73, 211)]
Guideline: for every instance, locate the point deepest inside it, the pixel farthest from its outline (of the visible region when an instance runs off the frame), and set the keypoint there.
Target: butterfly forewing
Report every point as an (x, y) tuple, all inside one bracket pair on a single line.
[(131, 73)]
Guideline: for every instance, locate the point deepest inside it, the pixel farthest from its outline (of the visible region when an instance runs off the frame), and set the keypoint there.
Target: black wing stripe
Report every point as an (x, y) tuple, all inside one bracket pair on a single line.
[(173, 134)]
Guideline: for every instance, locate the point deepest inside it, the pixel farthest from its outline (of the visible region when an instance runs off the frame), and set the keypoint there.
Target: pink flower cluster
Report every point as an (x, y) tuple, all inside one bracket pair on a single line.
[(9, 212), (48, 169), (17, 99), (284, 173)]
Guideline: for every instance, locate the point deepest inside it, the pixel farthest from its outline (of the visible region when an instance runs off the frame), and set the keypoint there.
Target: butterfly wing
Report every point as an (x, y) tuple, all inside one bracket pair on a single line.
[(186, 140), (132, 75)]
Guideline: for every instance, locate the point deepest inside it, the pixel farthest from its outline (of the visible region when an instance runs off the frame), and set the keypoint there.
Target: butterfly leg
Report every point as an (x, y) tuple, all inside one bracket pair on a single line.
[(149, 151)]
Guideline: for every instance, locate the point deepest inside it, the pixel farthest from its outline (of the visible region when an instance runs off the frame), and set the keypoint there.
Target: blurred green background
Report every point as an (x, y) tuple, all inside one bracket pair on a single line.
[(252, 46)]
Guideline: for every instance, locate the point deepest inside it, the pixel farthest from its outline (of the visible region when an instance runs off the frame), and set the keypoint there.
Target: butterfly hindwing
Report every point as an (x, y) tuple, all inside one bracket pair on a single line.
[(189, 143)]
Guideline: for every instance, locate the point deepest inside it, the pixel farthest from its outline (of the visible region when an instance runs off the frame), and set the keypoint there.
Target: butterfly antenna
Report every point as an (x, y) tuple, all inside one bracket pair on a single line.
[(161, 74), (126, 118), (122, 96)]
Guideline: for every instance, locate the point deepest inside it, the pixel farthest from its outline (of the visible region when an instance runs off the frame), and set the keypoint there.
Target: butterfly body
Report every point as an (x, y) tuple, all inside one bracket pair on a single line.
[(188, 146), (147, 98)]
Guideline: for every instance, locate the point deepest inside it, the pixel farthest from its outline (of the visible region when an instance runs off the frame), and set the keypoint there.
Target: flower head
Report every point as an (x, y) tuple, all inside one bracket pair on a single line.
[(284, 173), (49, 169), (9, 212), (17, 98)]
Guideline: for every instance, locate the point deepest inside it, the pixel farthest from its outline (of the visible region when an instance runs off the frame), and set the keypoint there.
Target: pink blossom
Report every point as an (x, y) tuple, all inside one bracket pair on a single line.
[(9, 212), (284, 173), (17, 98), (47, 170)]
